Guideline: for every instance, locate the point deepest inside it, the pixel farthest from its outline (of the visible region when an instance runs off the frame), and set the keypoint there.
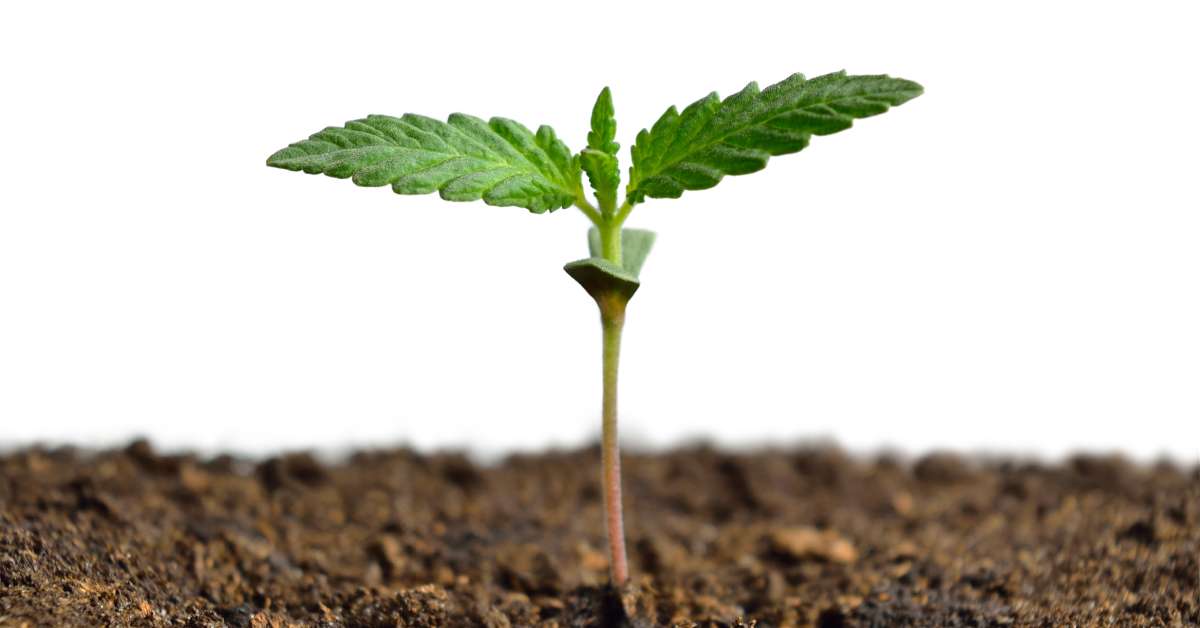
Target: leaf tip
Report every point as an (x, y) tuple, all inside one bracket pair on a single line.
[(276, 159)]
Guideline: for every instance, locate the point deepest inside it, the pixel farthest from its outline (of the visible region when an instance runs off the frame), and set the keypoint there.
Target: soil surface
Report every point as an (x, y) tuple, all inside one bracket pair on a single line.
[(802, 537)]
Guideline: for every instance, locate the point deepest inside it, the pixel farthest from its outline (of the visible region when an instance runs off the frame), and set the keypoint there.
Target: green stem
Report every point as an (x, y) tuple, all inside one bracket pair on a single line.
[(588, 210), (612, 319), (623, 212), (610, 242)]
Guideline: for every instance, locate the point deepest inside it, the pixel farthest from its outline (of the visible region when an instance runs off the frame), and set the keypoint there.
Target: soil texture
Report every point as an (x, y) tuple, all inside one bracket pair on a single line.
[(786, 537)]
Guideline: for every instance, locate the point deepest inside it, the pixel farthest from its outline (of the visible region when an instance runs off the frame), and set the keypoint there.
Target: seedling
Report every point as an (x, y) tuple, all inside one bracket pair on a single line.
[(503, 163)]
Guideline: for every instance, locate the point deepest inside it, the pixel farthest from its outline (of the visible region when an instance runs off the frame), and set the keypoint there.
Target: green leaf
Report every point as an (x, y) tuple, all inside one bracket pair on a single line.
[(604, 124), (599, 159), (711, 138), (602, 278), (604, 174), (635, 247), (464, 159)]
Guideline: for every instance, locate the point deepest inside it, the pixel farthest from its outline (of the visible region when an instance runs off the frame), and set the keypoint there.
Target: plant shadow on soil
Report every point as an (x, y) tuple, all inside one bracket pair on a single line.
[(787, 537)]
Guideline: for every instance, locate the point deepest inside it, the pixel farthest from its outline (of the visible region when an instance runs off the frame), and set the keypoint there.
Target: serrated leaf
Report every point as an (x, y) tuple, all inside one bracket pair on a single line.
[(635, 247), (604, 175), (464, 159), (604, 124), (711, 138), (599, 159)]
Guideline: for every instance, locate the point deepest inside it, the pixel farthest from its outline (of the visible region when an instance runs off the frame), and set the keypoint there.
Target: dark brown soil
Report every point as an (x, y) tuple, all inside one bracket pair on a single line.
[(804, 537)]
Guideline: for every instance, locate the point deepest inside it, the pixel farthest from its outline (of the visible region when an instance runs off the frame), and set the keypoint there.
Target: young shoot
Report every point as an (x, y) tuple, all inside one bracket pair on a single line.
[(503, 163)]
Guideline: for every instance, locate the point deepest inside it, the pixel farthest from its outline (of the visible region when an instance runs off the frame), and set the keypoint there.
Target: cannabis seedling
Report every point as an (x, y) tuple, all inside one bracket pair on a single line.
[(503, 163)]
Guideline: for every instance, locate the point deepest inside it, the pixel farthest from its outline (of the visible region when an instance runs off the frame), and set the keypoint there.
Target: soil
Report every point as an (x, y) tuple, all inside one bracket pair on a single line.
[(800, 537)]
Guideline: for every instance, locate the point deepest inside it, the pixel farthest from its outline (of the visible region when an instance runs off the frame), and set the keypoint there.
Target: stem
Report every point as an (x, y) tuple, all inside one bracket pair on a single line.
[(610, 238), (612, 319), (588, 210), (610, 242), (623, 213)]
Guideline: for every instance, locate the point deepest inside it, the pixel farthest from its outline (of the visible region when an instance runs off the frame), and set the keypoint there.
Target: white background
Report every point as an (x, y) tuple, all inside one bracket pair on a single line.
[(1009, 263)]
